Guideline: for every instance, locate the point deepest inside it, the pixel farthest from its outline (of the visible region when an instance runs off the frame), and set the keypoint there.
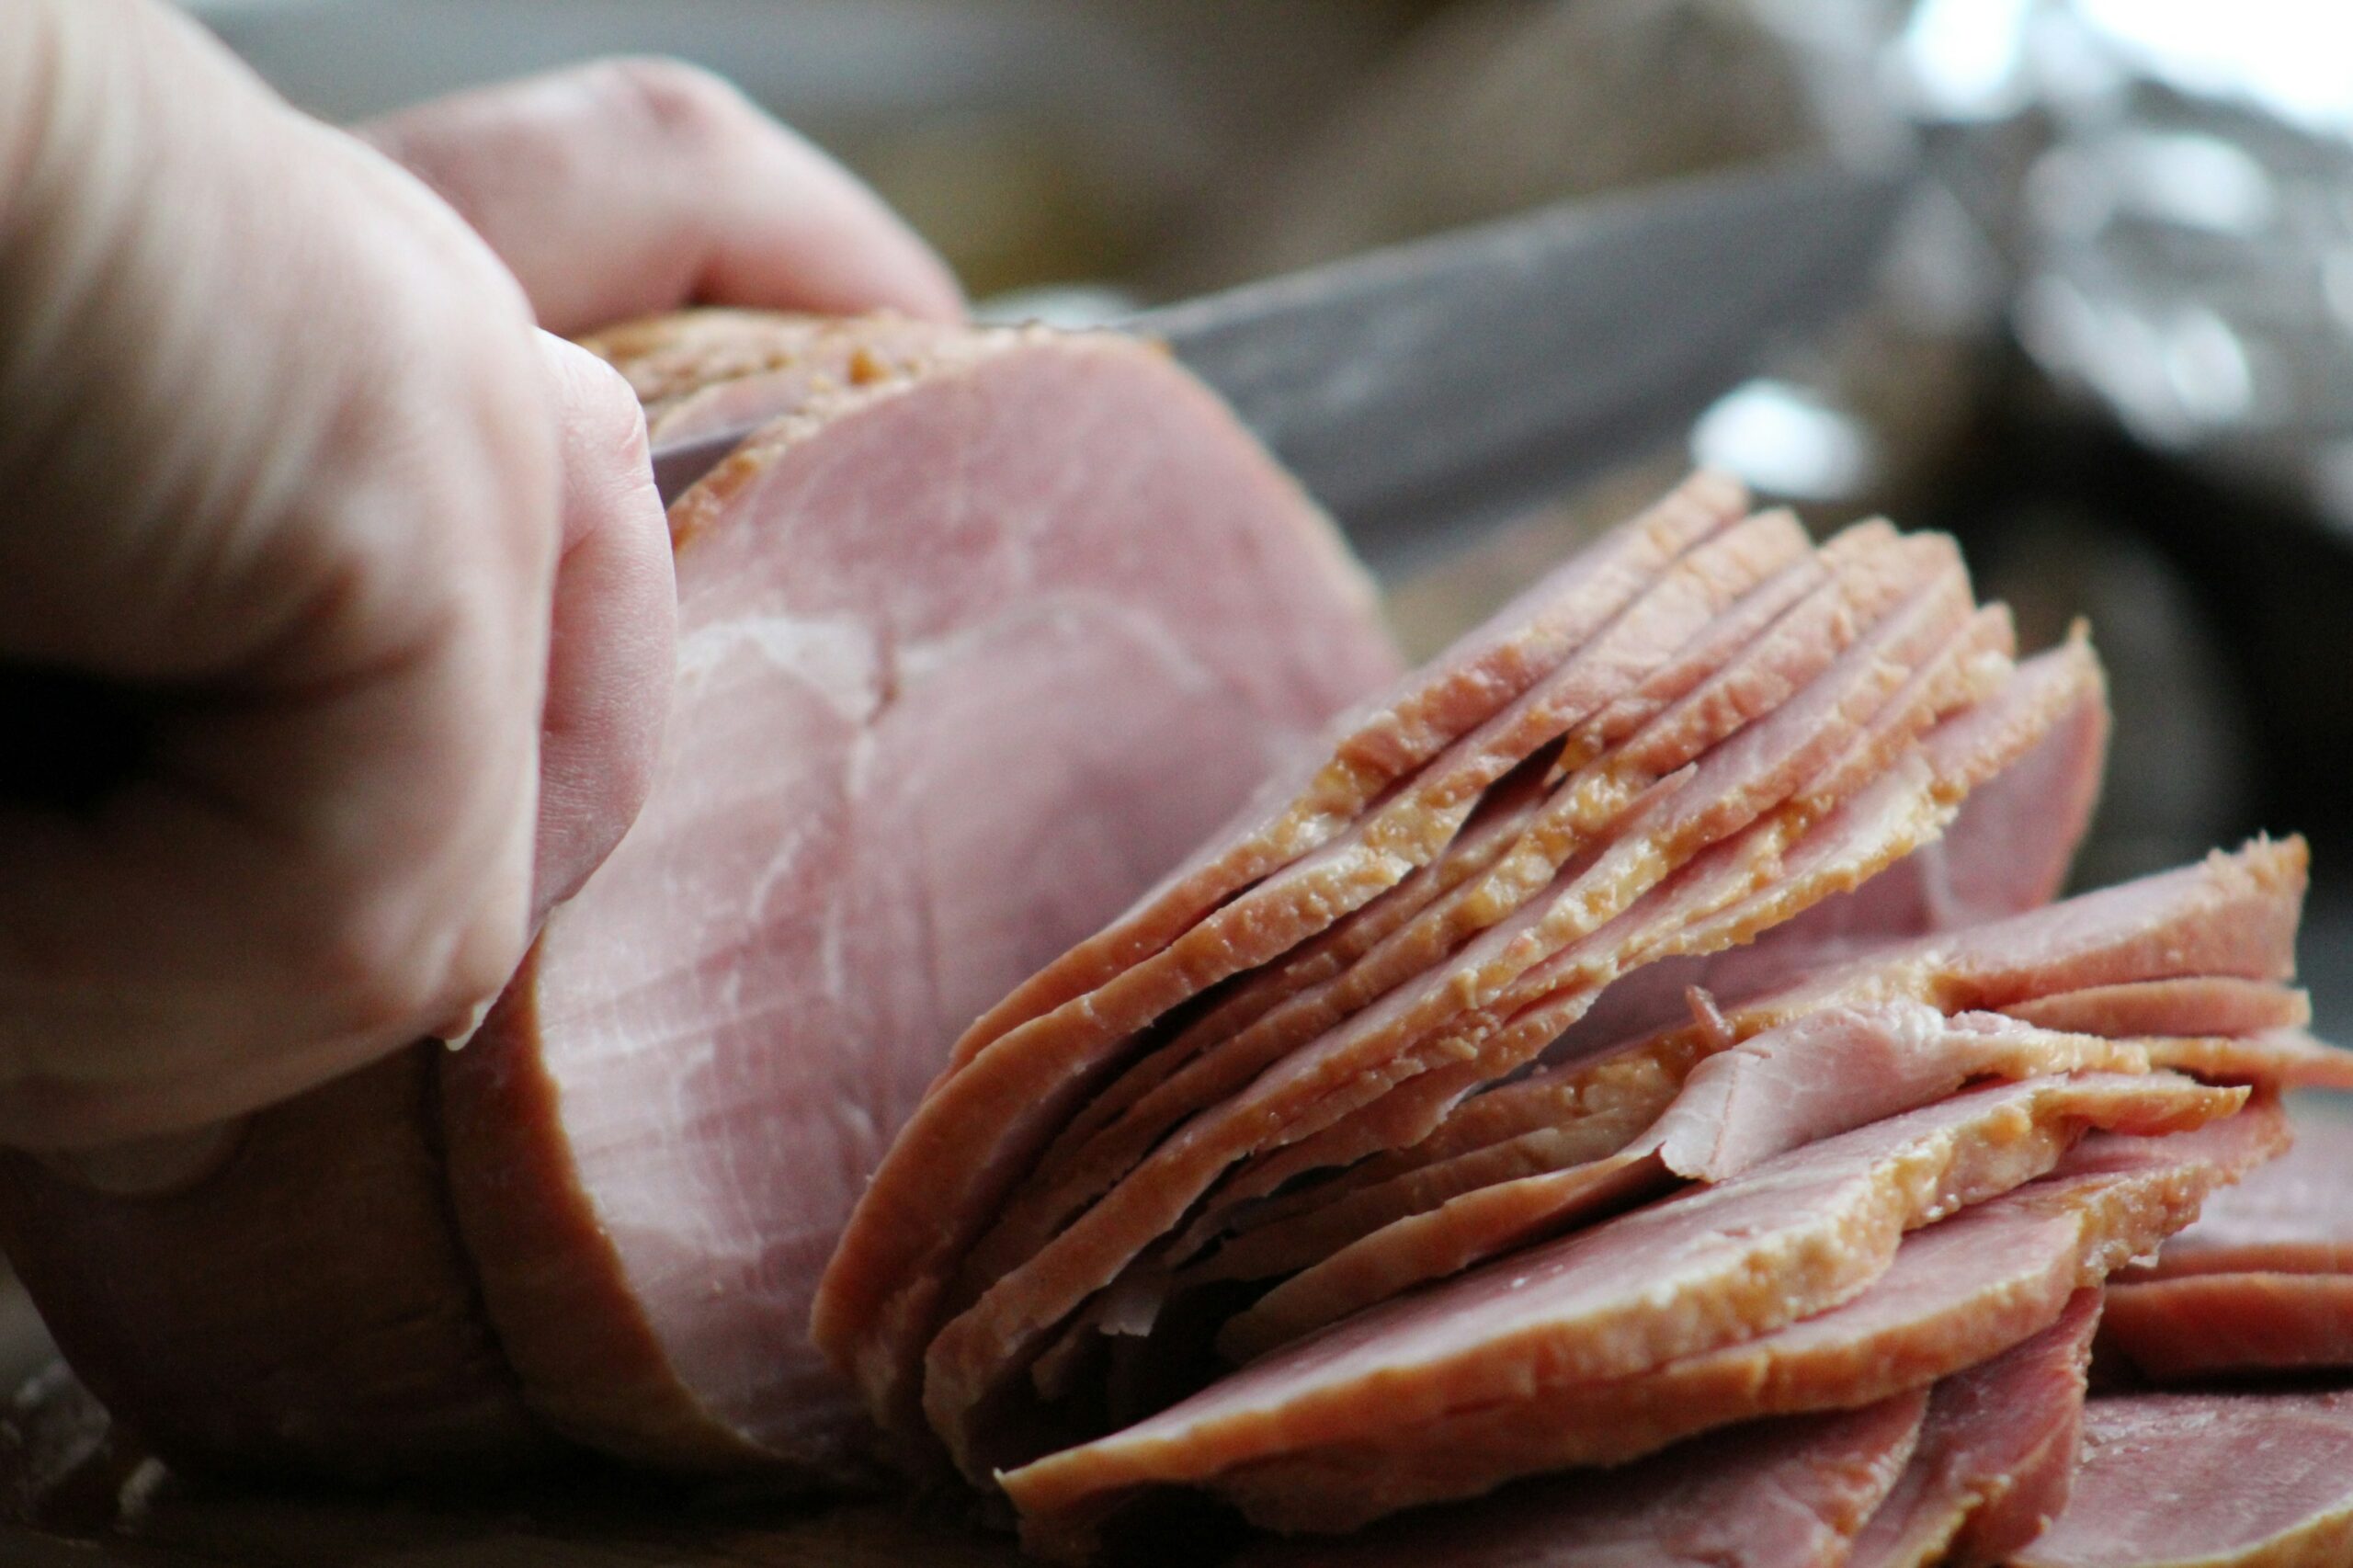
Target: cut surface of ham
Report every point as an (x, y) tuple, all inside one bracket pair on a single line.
[(1997, 1454), (900, 589), (2213, 1481), (1789, 1493), (1790, 1238)]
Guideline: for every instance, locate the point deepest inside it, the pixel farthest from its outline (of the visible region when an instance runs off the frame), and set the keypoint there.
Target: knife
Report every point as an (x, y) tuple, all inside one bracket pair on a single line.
[(1425, 389)]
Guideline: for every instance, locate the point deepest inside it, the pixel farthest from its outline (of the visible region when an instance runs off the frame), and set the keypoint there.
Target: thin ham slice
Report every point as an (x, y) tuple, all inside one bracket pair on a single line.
[(2291, 1218), (1996, 1455), (1719, 1264), (1790, 1494), (1810, 846), (1956, 1294), (2208, 1481), (2032, 815), (2192, 1005), (2231, 914), (2206, 1326), (1757, 682), (1884, 822)]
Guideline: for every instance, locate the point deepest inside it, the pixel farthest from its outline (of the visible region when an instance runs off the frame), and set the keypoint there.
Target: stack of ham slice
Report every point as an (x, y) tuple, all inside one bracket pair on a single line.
[(1623, 1093), (1646, 1039)]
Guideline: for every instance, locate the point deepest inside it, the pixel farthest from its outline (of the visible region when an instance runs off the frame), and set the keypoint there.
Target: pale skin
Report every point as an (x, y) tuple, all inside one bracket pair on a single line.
[(296, 463)]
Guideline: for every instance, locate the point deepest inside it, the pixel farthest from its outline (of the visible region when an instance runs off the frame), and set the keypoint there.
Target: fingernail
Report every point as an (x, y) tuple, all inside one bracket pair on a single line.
[(462, 1027)]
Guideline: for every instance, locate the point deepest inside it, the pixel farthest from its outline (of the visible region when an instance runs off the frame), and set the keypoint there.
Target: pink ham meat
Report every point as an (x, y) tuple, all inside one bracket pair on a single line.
[(1869, 806), (2263, 1283), (1793, 1237), (1956, 1294), (2208, 1481), (1789, 1493), (1996, 1455), (2194, 1005), (1457, 727), (1016, 558), (1730, 786)]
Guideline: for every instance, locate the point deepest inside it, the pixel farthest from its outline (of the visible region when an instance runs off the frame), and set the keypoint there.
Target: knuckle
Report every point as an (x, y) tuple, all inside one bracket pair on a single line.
[(672, 100)]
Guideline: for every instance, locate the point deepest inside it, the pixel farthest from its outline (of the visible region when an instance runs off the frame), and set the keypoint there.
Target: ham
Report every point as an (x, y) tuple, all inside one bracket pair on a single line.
[(1049, 561), (2190, 1005), (2205, 1326), (1577, 817), (303, 1310), (1997, 1454), (2031, 814), (1789, 1493), (1795, 1237), (2214, 1481), (1730, 786), (1957, 1293)]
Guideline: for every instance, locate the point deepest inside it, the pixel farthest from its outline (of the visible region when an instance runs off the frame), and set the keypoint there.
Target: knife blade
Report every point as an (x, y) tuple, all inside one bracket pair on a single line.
[(1425, 390)]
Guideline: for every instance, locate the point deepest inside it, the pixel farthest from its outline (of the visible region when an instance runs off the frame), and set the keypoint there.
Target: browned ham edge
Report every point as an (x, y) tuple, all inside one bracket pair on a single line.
[(1790, 1494)]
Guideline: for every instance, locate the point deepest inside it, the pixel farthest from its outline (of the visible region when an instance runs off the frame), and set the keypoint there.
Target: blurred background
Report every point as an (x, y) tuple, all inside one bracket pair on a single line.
[(2112, 347)]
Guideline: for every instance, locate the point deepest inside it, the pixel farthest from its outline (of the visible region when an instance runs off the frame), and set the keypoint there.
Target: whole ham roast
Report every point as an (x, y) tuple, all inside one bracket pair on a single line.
[(1074, 1021)]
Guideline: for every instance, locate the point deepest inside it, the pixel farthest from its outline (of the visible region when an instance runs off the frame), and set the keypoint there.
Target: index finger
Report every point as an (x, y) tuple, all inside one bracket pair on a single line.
[(629, 186)]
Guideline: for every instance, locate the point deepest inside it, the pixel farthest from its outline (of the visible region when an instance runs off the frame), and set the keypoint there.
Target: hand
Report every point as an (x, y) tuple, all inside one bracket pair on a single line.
[(335, 599)]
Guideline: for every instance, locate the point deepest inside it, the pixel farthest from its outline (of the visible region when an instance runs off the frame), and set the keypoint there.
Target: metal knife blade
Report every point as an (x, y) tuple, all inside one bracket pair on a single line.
[(1426, 388)]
